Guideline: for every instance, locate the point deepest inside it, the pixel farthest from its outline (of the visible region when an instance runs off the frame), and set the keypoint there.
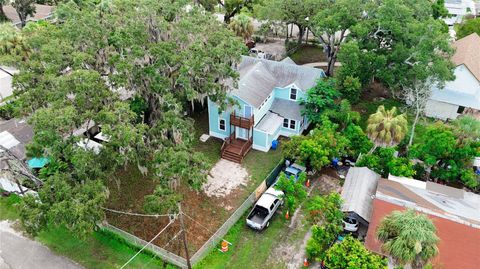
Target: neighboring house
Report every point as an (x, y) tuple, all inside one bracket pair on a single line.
[(459, 9), (461, 95), (267, 97), (6, 74), (42, 12), (454, 212), (358, 192), (15, 134)]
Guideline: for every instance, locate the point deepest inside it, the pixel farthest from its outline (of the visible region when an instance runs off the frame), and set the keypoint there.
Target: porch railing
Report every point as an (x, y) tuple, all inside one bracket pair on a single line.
[(241, 122)]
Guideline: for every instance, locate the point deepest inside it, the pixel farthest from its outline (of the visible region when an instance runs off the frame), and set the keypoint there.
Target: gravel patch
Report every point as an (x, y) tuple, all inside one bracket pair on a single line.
[(225, 177)]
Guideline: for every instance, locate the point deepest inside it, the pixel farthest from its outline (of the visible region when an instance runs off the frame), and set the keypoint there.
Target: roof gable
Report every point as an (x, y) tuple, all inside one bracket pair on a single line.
[(468, 53), (258, 78)]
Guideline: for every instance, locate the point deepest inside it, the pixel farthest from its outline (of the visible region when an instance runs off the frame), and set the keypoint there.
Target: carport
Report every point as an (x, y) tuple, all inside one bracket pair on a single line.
[(358, 192)]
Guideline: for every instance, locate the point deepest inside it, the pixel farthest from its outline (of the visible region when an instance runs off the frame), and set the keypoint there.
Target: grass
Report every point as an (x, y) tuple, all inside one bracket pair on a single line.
[(249, 249), (308, 54), (259, 164), (8, 210), (211, 148), (101, 250)]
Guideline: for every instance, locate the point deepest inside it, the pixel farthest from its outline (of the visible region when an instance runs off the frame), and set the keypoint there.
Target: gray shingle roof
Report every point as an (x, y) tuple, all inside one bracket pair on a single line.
[(360, 184), (258, 77), (287, 109)]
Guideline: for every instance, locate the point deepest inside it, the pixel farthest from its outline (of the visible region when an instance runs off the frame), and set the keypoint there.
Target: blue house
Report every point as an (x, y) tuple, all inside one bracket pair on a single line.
[(267, 97)]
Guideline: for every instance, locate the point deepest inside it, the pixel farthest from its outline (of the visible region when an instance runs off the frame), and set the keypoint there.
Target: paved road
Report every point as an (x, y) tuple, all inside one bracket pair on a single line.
[(18, 252)]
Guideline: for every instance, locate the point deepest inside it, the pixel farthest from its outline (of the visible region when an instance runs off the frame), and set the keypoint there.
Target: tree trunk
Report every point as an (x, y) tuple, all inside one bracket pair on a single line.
[(306, 38), (331, 65), (287, 33), (417, 116), (301, 32), (2, 14), (291, 30)]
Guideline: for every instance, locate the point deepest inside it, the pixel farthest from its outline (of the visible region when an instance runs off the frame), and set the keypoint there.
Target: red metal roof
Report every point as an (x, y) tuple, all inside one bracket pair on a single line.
[(458, 246)]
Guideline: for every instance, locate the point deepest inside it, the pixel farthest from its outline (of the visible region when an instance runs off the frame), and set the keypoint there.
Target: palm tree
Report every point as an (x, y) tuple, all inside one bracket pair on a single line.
[(11, 41), (242, 26), (408, 237), (385, 128)]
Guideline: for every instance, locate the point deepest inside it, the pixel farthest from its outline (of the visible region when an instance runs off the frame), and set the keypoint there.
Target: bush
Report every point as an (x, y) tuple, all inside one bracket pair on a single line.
[(350, 88), (383, 162)]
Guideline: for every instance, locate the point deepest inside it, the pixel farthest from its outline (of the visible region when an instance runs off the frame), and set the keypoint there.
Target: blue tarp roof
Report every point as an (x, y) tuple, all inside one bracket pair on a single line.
[(37, 162)]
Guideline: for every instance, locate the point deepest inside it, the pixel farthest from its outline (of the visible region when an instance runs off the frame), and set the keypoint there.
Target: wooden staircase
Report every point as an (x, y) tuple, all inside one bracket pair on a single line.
[(235, 149)]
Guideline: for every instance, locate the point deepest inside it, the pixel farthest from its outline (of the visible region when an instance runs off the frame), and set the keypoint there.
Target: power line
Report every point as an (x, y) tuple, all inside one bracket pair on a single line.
[(164, 246), (153, 239), (139, 214)]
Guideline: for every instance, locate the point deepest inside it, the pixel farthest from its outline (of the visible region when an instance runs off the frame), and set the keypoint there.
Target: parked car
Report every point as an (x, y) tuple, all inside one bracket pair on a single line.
[(262, 212), (294, 170), (350, 224)]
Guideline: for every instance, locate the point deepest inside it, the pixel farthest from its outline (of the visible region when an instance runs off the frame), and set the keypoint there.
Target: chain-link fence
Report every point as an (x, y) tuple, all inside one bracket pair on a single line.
[(246, 205), (215, 239), (160, 252)]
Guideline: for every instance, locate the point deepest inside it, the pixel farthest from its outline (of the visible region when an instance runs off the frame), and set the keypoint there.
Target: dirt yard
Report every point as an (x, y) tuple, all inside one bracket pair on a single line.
[(224, 177), (225, 190), (291, 252)]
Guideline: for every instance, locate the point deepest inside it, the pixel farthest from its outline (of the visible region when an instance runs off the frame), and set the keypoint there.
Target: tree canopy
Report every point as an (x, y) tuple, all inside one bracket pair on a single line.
[(398, 43), (326, 216), (81, 73), (448, 157), (352, 254), (468, 27)]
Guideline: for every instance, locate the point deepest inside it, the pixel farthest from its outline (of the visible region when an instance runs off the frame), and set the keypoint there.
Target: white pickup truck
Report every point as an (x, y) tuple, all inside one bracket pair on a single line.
[(262, 212)]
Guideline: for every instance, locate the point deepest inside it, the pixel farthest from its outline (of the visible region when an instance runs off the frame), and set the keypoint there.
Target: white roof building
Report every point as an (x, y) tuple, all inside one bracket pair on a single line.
[(358, 191)]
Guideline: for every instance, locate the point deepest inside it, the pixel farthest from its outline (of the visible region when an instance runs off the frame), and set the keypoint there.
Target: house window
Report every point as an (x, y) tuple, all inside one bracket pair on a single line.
[(293, 94), (221, 124), (292, 124), (285, 123), (460, 109)]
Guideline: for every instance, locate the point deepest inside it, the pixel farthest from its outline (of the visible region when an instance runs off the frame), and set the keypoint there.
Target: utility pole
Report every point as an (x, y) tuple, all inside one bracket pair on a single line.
[(184, 235)]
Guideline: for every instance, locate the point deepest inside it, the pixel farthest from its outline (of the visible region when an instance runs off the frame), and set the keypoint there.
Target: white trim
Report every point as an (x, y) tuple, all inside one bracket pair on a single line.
[(217, 135), (224, 125), (260, 148), (290, 124), (245, 110), (290, 94)]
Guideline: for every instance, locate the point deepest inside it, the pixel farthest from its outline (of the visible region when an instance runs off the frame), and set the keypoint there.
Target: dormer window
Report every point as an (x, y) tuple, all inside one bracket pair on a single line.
[(293, 94)]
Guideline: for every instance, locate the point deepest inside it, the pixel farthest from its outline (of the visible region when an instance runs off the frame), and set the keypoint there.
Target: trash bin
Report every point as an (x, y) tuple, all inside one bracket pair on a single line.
[(274, 144)]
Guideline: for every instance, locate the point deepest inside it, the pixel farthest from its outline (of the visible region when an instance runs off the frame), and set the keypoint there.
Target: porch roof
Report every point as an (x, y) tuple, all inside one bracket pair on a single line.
[(270, 123)]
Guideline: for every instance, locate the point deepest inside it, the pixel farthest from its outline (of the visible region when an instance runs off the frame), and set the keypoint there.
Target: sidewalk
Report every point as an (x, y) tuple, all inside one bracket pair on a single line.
[(19, 252)]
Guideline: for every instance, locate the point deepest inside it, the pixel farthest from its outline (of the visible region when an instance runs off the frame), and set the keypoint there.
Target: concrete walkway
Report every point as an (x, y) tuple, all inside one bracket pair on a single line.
[(19, 252)]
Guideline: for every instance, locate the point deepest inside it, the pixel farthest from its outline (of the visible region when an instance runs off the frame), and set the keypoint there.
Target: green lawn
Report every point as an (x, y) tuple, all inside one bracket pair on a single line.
[(259, 164), (7, 207), (211, 148), (249, 249), (101, 250), (308, 54)]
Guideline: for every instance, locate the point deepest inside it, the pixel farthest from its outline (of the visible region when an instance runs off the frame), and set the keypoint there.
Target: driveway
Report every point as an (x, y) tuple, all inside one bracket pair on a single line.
[(19, 252)]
